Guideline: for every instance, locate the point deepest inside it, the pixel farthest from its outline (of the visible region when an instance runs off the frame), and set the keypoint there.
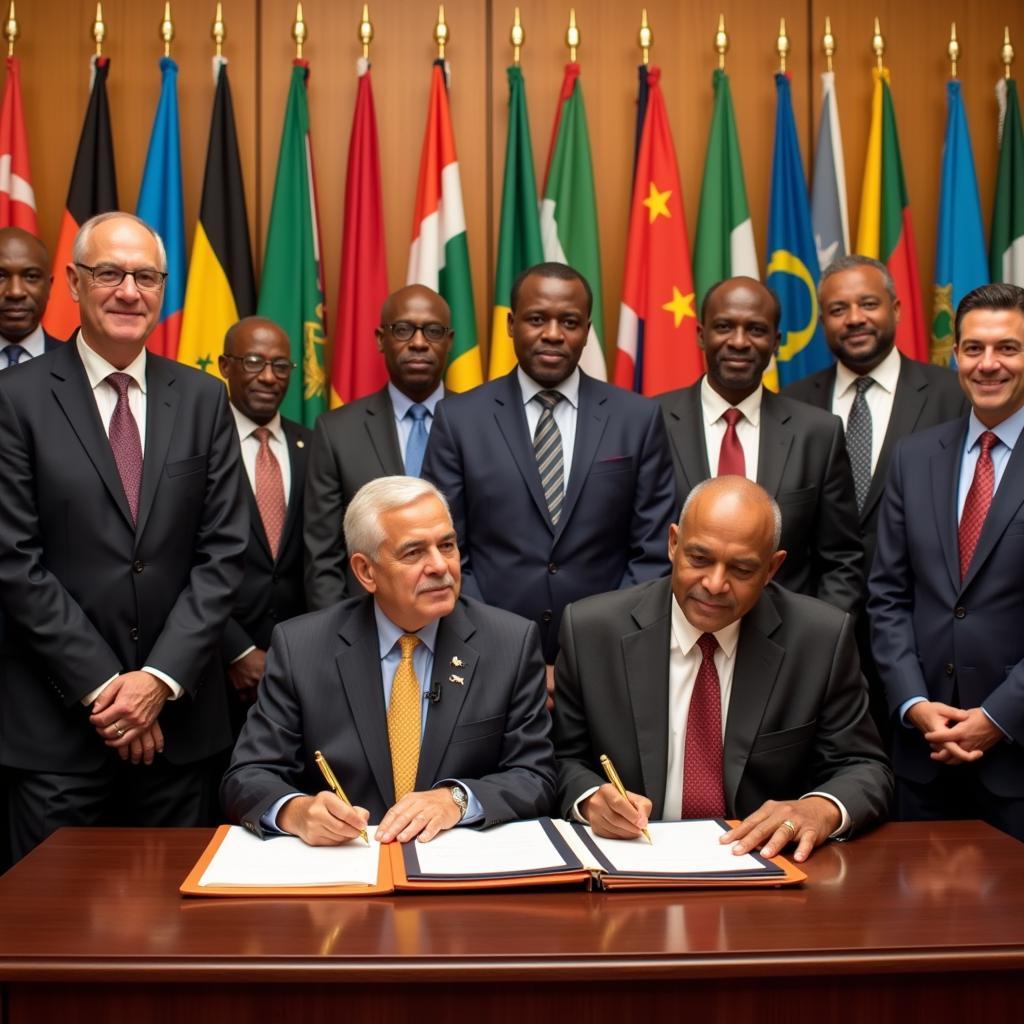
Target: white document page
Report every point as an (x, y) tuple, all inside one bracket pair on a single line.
[(243, 859), (514, 848)]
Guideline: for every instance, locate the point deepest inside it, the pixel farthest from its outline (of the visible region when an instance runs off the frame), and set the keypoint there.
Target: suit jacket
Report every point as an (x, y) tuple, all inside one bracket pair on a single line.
[(802, 463), (934, 636), (797, 720), (619, 499), (925, 396), (86, 594), (351, 446), (323, 691), (50, 342), (272, 588)]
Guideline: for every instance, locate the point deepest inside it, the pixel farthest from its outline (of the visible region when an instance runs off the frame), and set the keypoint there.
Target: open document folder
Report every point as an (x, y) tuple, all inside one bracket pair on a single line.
[(524, 853)]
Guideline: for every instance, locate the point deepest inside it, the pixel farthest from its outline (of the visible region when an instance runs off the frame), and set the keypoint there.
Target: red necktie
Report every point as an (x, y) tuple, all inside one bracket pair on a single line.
[(979, 498), (730, 456), (703, 792), (126, 443), (269, 490)]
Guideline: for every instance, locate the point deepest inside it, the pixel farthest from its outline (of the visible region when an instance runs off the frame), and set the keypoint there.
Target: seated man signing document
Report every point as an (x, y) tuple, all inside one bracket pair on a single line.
[(718, 694), (428, 706)]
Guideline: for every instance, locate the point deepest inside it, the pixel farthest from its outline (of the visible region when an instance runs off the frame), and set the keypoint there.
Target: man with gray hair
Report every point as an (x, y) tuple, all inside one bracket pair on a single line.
[(717, 693), (428, 706)]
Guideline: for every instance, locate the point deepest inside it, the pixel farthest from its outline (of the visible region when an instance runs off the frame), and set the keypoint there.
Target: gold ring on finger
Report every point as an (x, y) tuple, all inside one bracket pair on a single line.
[(792, 828)]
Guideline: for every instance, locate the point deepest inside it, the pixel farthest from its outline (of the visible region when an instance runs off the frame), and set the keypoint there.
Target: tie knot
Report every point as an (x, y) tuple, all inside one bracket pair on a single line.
[(732, 416), (417, 412), (863, 383), (707, 644), (988, 439), (120, 382), (408, 643), (262, 434), (549, 399)]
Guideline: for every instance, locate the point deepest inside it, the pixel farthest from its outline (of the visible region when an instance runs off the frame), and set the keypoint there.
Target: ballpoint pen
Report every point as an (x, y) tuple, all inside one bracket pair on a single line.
[(613, 778), (329, 777)]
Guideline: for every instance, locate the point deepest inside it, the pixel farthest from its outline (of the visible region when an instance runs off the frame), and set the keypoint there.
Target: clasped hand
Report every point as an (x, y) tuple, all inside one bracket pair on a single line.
[(125, 716)]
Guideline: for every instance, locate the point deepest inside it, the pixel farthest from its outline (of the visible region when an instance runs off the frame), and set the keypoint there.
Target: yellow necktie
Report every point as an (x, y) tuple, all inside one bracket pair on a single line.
[(404, 713)]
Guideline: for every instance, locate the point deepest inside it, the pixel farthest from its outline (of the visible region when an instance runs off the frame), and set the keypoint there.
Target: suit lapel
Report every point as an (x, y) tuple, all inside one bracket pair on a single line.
[(161, 413), (591, 420), (945, 474), (685, 423), (297, 452), (775, 442), (379, 420), (256, 522)]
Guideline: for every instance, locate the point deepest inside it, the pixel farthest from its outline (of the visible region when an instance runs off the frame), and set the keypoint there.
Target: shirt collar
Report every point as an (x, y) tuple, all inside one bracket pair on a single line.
[(403, 403), (97, 369), (569, 388), (885, 375), (388, 634), (1008, 431), (685, 635), (34, 344), (246, 426), (714, 405)]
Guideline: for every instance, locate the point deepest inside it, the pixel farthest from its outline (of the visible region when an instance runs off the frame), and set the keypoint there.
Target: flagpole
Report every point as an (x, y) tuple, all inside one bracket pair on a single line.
[(953, 50), (645, 39), (299, 31), (721, 42), (517, 37), (1006, 54), (782, 45), (441, 33), (167, 29), (572, 36), (366, 31), (218, 32), (828, 44), (11, 30), (99, 29), (878, 46)]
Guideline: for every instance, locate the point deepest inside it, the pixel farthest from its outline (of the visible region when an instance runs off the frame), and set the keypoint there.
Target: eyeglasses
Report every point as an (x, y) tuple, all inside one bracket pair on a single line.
[(253, 365), (405, 330), (108, 276)]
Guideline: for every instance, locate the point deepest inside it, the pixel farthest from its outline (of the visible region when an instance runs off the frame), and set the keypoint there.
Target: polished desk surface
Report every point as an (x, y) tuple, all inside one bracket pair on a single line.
[(102, 904)]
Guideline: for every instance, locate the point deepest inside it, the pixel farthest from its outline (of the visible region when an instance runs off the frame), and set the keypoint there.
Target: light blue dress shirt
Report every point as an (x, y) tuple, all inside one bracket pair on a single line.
[(403, 422)]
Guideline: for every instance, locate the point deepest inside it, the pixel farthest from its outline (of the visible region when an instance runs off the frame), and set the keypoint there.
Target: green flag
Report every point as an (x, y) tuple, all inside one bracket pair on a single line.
[(1006, 250), (292, 291)]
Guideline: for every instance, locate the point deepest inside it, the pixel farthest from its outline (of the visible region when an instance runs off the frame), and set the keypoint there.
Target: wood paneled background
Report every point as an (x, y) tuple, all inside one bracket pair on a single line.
[(55, 45)]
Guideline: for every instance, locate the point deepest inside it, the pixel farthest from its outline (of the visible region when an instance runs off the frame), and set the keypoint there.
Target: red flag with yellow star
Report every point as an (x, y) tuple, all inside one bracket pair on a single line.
[(657, 342)]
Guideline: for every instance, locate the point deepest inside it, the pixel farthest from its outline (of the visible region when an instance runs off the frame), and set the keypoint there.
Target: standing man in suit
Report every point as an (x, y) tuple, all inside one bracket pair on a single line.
[(729, 424), (257, 366), (718, 694), (428, 707), (946, 602), (560, 485), (121, 546), (24, 292), (383, 434)]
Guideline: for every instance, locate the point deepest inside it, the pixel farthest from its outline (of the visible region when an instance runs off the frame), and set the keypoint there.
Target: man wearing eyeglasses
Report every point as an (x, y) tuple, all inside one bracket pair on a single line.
[(121, 546), (24, 291), (257, 366), (383, 434)]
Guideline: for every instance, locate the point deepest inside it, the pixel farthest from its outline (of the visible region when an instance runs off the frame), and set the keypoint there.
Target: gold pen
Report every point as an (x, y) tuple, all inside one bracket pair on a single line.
[(613, 778), (329, 777)]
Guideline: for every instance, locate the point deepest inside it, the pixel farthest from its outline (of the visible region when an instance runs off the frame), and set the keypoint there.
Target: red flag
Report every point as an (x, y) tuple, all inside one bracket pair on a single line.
[(17, 200), (357, 368)]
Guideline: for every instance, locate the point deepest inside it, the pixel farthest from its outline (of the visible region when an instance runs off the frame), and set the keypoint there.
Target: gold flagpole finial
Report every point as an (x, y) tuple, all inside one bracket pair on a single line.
[(645, 38), (366, 31), (517, 37), (11, 30), (878, 45), (219, 30), (99, 29), (299, 32), (441, 34), (828, 43), (1007, 52), (953, 50), (167, 29), (572, 35), (782, 45), (721, 42)]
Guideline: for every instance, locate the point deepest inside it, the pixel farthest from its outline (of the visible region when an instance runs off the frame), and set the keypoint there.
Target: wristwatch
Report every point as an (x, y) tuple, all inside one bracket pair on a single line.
[(461, 799)]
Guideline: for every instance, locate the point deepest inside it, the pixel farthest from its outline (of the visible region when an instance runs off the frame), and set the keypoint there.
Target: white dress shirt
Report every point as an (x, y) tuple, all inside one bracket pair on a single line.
[(250, 448), (879, 397), (748, 427), (565, 413), (34, 345)]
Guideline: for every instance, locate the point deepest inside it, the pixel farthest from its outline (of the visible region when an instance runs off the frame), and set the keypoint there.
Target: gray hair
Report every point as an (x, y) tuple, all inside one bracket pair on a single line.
[(776, 511), (850, 262), (81, 241), (363, 531)]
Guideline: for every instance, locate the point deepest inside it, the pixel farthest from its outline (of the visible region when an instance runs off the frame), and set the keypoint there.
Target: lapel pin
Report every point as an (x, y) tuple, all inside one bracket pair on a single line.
[(456, 661), (456, 679), (300, 443)]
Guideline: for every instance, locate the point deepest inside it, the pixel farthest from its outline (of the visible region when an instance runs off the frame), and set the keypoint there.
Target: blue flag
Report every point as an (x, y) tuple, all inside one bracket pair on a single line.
[(792, 255), (961, 259)]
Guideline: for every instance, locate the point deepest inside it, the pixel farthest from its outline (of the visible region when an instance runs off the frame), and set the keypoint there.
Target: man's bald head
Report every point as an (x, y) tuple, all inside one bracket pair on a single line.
[(24, 283), (415, 362)]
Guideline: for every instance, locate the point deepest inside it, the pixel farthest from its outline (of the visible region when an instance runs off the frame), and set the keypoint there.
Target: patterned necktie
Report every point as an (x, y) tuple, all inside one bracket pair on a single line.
[(126, 443), (703, 793), (404, 719), (979, 498), (730, 456), (417, 443), (14, 354), (858, 440), (547, 447), (269, 490)]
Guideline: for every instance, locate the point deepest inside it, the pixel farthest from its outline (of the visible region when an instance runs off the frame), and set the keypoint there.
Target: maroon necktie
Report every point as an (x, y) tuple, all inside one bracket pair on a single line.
[(269, 490), (126, 443), (703, 793), (730, 456), (979, 498)]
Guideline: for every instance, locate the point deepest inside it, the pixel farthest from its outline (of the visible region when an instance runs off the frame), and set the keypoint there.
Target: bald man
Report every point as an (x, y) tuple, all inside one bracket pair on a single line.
[(718, 694), (383, 434), (25, 281)]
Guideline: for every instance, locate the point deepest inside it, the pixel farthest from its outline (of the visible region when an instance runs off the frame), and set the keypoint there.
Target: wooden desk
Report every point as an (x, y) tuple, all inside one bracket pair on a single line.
[(914, 922)]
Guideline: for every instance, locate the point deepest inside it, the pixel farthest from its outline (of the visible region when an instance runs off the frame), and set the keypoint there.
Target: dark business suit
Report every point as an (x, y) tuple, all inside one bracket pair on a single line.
[(797, 720), (351, 446), (86, 594), (803, 465), (323, 691), (938, 638), (619, 499)]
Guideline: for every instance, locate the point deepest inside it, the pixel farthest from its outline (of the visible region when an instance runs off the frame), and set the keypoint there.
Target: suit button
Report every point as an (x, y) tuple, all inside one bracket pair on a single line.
[(552, 568), (134, 632), (546, 615), (949, 668), (138, 565), (960, 613)]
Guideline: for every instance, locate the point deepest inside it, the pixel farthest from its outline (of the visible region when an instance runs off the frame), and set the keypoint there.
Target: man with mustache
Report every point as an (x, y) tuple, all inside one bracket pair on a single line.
[(428, 706), (729, 424), (25, 281), (383, 434)]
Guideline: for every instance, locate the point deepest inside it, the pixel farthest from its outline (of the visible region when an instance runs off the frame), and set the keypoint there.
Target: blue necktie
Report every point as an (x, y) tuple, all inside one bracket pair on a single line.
[(14, 354), (417, 443)]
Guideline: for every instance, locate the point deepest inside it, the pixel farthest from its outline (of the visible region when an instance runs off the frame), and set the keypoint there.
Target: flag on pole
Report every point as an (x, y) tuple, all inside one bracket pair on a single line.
[(439, 254), (568, 210), (356, 366), (1006, 248), (17, 200), (829, 216), (221, 288), (792, 270), (961, 262), (93, 190), (885, 231), (162, 207), (292, 289), (519, 243), (724, 246), (657, 342)]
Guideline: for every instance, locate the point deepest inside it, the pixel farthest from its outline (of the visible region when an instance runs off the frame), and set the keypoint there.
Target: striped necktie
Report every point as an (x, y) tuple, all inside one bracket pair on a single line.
[(547, 447)]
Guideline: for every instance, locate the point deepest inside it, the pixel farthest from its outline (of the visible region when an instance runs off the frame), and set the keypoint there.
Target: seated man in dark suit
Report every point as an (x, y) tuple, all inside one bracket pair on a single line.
[(25, 281), (428, 706), (718, 693)]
